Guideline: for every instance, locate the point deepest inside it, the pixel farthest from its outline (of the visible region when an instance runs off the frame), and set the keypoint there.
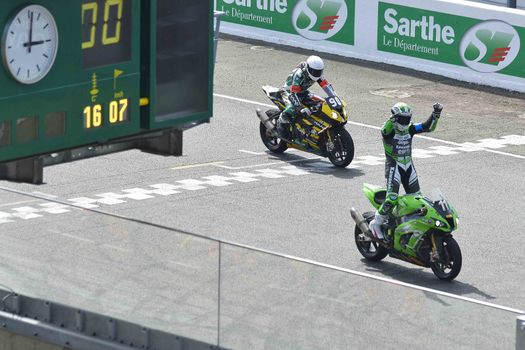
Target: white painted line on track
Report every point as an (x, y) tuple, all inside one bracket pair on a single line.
[(16, 203), (120, 249), (189, 166), (244, 100), (251, 152), (365, 125), (77, 238), (378, 128), (266, 164), (183, 265), (44, 194)]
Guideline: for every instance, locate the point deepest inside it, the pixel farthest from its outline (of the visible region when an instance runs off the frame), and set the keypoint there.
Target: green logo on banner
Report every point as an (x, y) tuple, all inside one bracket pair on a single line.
[(331, 20), (319, 19), (484, 46), (490, 46)]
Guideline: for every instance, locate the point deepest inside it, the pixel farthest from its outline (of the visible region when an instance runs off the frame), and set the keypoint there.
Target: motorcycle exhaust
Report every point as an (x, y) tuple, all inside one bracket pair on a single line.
[(265, 120), (360, 222)]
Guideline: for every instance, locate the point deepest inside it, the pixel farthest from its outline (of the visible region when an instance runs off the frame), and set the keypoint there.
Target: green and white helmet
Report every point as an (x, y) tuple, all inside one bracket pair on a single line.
[(401, 115)]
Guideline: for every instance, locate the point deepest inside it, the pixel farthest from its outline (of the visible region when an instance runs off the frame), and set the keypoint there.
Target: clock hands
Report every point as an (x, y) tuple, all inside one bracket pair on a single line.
[(32, 43), (30, 34)]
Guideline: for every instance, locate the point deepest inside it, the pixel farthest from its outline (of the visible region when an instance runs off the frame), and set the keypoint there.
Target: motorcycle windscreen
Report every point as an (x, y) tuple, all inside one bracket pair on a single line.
[(439, 202), (183, 66)]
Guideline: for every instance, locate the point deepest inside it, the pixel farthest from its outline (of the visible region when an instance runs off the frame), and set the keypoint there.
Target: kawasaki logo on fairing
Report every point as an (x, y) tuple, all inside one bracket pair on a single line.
[(490, 46), (319, 19)]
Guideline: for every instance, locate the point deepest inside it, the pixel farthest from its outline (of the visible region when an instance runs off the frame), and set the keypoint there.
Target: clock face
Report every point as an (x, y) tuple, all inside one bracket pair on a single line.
[(30, 44)]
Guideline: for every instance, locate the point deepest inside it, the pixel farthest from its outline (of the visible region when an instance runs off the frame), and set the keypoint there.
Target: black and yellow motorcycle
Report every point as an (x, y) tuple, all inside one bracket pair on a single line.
[(322, 133)]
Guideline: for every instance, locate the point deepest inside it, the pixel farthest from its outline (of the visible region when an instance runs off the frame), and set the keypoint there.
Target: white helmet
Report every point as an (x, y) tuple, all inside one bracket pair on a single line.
[(314, 67)]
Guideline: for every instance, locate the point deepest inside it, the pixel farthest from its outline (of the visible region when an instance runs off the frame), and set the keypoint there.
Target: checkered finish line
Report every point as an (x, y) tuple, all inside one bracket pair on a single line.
[(152, 191), (309, 167)]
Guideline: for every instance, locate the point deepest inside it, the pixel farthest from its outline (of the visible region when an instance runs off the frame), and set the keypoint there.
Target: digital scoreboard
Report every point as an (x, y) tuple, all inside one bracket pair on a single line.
[(86, 72)]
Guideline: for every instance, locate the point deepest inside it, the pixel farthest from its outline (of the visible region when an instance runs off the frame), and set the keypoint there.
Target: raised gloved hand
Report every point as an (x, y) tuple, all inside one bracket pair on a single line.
[(306, 112), (438, 107)]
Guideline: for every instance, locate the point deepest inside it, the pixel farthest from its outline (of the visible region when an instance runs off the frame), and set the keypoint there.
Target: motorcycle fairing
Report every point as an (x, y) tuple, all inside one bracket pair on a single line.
[(374, 194)]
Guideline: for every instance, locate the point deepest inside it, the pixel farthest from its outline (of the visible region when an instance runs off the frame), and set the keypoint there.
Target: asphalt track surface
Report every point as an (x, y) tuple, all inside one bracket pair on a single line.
[(229, 187)]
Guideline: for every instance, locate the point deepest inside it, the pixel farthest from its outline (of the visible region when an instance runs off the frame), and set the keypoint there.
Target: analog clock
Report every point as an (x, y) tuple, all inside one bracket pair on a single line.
[(30, 44)]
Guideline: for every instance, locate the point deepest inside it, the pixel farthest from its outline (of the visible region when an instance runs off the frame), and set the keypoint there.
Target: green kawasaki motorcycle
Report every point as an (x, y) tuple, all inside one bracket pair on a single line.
[(419, 231)]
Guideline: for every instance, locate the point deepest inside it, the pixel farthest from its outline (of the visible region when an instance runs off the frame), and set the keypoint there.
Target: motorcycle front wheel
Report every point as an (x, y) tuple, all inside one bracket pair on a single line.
[(343, 153), (450, 264), (369, 249), (274, 144)]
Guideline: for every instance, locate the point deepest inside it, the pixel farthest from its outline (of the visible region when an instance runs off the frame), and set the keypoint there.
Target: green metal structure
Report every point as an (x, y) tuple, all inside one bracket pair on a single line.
[(118, 69)]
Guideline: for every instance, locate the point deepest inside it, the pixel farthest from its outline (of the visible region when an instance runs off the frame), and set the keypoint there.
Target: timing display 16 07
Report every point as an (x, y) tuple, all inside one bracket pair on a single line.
[(97, 115), (106, 32)]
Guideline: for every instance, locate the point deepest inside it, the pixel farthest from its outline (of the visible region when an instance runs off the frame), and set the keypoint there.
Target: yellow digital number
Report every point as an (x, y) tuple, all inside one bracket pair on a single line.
[(107, 40), (123, 115), (93, 8), (113, 112), (93, 116), (97, 116), (118, 111), (87, 117)]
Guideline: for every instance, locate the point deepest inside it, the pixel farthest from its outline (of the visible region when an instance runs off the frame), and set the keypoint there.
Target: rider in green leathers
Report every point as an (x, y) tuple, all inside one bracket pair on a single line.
[(295, 92), (397, 135)]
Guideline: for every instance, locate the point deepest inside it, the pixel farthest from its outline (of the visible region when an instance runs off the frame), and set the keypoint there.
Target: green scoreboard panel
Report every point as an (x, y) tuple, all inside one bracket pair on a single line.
[(86, 72)]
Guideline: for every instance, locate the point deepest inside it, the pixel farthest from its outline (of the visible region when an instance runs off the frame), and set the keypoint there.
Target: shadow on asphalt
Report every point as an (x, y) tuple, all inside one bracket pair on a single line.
[(317, 165), (424, 277)]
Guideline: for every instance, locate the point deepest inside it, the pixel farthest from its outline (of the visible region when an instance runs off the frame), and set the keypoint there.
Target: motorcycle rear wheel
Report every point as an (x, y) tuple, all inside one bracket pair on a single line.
[(343, 153), (369, 249), (448, 268), (274, 144)]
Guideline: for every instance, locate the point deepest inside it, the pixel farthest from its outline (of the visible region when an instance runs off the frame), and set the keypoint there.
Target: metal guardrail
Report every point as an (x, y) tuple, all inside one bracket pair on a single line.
[(72, 328), (217, 16)]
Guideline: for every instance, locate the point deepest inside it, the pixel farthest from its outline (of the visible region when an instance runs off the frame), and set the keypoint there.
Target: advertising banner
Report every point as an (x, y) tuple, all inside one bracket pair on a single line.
[(330, 20), (486, 46), (462, 40)]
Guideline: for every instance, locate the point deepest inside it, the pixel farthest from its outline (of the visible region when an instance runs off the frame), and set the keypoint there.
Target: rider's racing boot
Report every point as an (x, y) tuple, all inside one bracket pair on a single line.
[(376, 225), (283, 127)]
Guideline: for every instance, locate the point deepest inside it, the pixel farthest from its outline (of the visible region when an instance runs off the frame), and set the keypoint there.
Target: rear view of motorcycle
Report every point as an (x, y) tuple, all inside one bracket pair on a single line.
[(322, 133)]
